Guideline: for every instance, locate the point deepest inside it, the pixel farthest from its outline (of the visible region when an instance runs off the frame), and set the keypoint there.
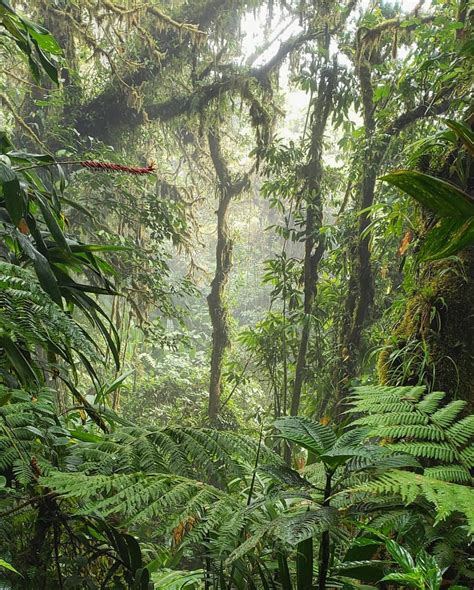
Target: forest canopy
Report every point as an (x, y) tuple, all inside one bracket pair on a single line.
[(236, 285)]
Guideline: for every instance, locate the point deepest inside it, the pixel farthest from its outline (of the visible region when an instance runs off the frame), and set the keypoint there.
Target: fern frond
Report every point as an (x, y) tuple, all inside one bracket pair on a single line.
[(454, 473), (462, 432), (440, 451), (448, 498), (293, 529), (393, 419), (422, 428), (410, 431), (430, 402), (28, 315), (445, 416)]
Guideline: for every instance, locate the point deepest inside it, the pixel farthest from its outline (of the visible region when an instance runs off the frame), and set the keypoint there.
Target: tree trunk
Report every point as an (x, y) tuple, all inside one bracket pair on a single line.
[(217, 297), (314, 242), (360, 288)]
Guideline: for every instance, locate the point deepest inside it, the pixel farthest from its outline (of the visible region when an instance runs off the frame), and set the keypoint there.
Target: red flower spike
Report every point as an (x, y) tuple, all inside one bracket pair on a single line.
[(111, 167)]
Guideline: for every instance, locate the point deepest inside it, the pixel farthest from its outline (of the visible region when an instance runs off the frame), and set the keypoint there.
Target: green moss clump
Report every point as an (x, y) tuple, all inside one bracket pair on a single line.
[(434, 342)]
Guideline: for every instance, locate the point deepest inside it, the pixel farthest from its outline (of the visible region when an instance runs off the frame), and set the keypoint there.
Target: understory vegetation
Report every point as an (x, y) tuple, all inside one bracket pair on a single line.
[(236, 286)]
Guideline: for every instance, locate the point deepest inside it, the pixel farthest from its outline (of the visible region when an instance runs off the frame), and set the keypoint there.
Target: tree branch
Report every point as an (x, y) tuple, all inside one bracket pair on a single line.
[(423, 110), (198, 100)]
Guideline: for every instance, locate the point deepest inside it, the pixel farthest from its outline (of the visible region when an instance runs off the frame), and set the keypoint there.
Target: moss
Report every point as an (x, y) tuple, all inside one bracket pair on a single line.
[(434, 342)]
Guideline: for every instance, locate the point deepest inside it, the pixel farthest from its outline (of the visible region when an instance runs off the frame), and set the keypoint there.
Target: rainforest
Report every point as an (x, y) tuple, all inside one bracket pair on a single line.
[(236, 294)]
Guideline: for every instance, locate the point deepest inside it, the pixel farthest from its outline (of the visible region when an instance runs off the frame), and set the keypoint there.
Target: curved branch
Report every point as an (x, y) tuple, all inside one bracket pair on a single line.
[(121, 114), (109, 111)]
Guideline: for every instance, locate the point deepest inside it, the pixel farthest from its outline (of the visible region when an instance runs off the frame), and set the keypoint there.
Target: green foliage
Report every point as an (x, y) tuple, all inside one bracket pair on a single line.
[(90, 499), (413, 421), (453, 206), (314, 437), (448, 498), (29, 319), (424, 573), (36, 43), (169, 389), (178, 580), (455, 230), (34, 233), (7, 566)]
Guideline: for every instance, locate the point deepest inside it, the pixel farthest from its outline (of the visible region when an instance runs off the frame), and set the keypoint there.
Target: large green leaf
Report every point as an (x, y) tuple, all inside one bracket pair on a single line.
[(298, 527), (21, 156), (43, 37), (312, 436), (448, 237), (442, 197), (48, 65), (8, 566), (43, 269), (12, 193), (463, 133), (52, 223), (455, 229), (400, 555)]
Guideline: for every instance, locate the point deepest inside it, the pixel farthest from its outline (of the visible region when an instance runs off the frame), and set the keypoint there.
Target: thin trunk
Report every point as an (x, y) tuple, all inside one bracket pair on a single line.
[(314, 242), (217, 297), (325, 547), (361, 288), (40, 549)]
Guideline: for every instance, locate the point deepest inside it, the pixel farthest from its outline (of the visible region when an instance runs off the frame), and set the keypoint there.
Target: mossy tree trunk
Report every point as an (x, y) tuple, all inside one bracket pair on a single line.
[(227, 189), (360, 291), (314, 241), (434, 343)]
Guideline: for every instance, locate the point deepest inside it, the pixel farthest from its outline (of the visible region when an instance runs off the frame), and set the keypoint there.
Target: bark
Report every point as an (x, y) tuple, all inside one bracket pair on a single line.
[(437, 333), (314, 242), (361, 288), (40, 549), (216, 299)]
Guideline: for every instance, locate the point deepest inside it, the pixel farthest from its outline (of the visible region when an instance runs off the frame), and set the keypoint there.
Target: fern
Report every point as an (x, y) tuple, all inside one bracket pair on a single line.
[(202, 453), (24, 422), (30, 320), (447, 497), (422, 427), (28, 313)]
